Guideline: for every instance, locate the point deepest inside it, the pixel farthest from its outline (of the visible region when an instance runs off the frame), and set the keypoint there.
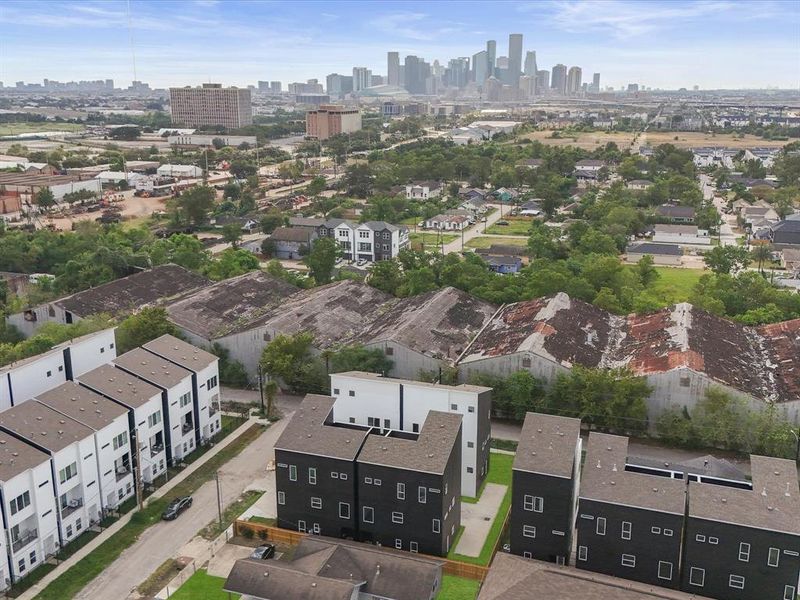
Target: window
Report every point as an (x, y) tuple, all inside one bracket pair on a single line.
[(697, 576), (529, 531), (78, 525), (292, 472), (397, 517), (713, 540), (470, 409), (364, 235), (351, 393), (301, 526), (367, 514), (628, 560), (335, 391), (626, 530), (376, 481), (281, 498), (33, 557), (68, 472), (413, 547), (415, 427), (211, 383), (583, 551), (21, 565), (700, 538), (389, 351), (387, 424), (401, 491), (154, 419), (470, 469), (387, 235), (436, 526), (49, 373), (120, 440), (789, 592), (655, 530), (20, 502), (312, 475), (185, 399), (668, 532), (527, 502), (422, 494), (398, 543), (343, 476), (538, 504), (772, 559), (344, 510), (334, 475), (664, 570), (454, 407), (368, 480), (736, 581), (601, 526), (526, 362), (69, 530), (352, 419), (744, 552), (316, 502)]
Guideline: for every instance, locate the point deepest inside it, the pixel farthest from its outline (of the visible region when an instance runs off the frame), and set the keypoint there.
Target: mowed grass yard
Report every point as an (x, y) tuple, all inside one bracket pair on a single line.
[(458, 588), (676, 285), (35, 127), (486, 241), (202, 586), (431, 238), (516, 226)]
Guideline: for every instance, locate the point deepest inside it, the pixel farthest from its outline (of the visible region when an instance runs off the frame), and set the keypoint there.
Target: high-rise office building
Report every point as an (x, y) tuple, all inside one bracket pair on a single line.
[(275, 87), (574, 81), (362, 78), (514, 58), (595, 89), (480, 67), (332, 119), (417, 72), (527, 87), (263, 86), (211, 104), (457, 72), (393, 68), (558, 79), (542, 81), (491, 57), (530, 63), (338, 85)]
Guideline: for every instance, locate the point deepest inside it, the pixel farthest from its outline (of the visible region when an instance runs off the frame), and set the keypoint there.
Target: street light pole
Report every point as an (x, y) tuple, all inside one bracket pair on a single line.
[(219, 499)]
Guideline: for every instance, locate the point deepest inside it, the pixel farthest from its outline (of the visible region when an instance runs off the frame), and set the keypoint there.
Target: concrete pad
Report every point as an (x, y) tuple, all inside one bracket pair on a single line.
[(221, 563), (477, 519)]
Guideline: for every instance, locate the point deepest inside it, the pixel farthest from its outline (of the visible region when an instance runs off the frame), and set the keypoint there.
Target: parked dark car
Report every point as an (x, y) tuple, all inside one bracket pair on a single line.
[(176, 507), (263, 552)]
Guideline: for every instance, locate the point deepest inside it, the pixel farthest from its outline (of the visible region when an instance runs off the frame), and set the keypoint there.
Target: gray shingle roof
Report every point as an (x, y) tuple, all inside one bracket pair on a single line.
[(654, 248)]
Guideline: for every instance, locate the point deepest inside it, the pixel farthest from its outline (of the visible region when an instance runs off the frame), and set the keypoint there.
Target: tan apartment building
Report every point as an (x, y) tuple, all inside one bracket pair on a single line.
[(332, 119), (211, 104)]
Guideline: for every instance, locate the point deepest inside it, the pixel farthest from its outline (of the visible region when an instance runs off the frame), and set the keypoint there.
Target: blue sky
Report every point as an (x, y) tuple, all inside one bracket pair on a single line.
[(669, 44)]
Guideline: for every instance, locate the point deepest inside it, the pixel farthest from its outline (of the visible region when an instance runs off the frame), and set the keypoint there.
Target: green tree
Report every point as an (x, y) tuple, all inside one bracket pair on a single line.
[(127, 134), (271, 220), (784, 200), (358, 180), (359, 358), (231, 262), (218, 143), (180, 249), (386, 275), (44, 199), (726, 259), (316, 186), (321, 260), (146, 325), (646, 271), (761, 253), (289, 358), (232, 234), (194, 205)]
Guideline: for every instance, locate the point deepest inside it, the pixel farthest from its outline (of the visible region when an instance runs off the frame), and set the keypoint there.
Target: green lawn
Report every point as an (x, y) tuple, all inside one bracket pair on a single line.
[(77, 577), (499, 472), (458, 588), (516, 226), (675, 285), (34, 127), (485, 242), (431, 239), (202, 586)]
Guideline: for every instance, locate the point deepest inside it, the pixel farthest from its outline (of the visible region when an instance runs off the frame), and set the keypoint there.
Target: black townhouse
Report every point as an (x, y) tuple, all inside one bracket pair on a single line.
[(544, 487), (629, 523), (315, 474), (742, 540), (409, 486)]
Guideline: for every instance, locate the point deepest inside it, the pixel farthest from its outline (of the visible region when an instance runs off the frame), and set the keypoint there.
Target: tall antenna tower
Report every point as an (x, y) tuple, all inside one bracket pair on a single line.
[(130, 37)]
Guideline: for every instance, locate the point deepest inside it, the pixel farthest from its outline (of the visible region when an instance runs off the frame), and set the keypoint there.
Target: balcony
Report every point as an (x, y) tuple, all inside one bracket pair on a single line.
[(25, 538), (186, 428), (123, 473), (212, 410), (71, 507), (156, 449)]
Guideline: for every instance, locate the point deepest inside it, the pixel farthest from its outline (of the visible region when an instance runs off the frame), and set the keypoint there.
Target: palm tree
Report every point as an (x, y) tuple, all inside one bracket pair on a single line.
[(761, 253)]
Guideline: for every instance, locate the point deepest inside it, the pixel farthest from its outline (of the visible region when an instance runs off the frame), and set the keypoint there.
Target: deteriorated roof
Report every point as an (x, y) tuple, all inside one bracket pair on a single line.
[(440, 323), (429, 453), (331, 313), (215, 310), (604, 479), (181, 353), (309, 431), (514, 578), (773, 503), (83, 405), (547, 445), (120, 386), (133, 292), (43, 426), (146, 365), (781, 343)]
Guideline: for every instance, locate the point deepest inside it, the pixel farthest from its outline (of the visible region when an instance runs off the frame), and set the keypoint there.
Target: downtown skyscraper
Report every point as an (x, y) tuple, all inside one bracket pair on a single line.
[(514, 59)]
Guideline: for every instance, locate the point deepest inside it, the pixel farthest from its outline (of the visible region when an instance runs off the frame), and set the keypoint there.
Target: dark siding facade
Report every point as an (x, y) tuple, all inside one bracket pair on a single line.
[(379, 241), (545, 535), (335, 484), (648, 543), (713, 550)]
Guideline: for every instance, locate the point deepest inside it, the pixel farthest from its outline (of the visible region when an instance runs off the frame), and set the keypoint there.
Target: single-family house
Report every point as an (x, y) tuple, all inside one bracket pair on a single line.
[(423, 190), (639, 184), (446, 222), (663, 254), (531, 163), (292, 242), (531, 208), (785, 233), (676, 213), (503, 264), (681, 234)]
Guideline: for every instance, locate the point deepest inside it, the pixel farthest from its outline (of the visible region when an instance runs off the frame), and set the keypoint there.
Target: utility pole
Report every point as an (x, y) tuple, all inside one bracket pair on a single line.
[(219, 499), (261, 386), (137, 470)]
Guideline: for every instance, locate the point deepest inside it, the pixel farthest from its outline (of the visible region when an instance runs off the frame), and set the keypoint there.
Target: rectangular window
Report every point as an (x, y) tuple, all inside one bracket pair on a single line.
[(312, 475), (21, 562), (789, 592), (281, 498), (655, 530), (344, 510), (68, 472), (398, 543), (154, 419), (301, 526), (628, 560), (470, 444), (387, 424), (120, 440), (529, 531), (335, 391), (376, 481), (422, 494), (744, 552), (33, 557), (471, 409), (343, 476), (185, 399), (736, 582), (367, 514), (415, 428), (397, 517), (20, 502), (626, 530), (538, 504), (668, 532), (601, 526), (316, 502), (401, 491), (665, 570), (774, 557), (697, 576), (470, 469), (368, 480), (292, 472), (700, 538), (334, 475), (583, 552), (211, 383), (413, 547), (454, 407), (713, 540), (436, 526), (527, 502)]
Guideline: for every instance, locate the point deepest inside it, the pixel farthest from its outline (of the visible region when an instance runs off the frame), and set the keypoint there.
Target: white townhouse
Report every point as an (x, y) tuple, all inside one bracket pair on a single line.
[(372, 241), (204, 367), (399, 404), (28, 508), (177, 404), (145, 414), (25, 379), (109, 421), (74, 468)]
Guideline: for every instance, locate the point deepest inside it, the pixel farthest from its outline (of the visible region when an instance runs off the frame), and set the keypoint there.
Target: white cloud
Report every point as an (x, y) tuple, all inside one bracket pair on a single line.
[(413, 26)]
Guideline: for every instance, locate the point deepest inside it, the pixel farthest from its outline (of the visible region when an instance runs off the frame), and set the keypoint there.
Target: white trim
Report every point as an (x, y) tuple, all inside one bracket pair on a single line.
[(664, 562), (702, 576)]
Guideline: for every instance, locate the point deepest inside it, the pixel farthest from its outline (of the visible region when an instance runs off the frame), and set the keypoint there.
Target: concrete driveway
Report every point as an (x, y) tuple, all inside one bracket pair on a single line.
[(477, 519)]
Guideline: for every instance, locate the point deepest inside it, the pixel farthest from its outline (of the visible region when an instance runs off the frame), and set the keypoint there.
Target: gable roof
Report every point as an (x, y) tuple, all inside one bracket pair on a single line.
[(292, 234), (654, 248), (269, 579), (676, 212)]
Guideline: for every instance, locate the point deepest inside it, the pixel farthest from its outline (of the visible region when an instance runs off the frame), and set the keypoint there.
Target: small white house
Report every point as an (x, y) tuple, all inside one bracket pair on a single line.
[(446, 222), (400, 404), (681, 234), (589, 164), (422, 190)]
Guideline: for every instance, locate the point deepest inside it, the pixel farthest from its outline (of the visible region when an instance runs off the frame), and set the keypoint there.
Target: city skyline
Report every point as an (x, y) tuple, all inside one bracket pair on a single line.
[(657, 44)]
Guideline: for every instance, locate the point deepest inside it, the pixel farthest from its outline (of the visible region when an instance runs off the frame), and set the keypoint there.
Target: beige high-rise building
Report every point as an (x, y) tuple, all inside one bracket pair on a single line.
[(332, 119), (574, 77), (211, 104)]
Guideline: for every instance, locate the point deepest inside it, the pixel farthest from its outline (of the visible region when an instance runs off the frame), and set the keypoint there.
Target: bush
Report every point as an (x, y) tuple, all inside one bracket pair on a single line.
[(246, 532)]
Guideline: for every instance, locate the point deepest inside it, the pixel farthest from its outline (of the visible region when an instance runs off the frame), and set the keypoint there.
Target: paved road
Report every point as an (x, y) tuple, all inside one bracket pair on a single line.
[(475, 231), (164, 540)]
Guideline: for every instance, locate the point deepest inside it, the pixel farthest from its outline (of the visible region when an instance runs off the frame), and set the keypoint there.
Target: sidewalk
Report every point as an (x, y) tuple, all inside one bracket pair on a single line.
[(108, 533)]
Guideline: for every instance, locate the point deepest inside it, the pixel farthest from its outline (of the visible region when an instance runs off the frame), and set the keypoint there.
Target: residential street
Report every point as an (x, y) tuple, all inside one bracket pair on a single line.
[(163, 541), (475, 231)]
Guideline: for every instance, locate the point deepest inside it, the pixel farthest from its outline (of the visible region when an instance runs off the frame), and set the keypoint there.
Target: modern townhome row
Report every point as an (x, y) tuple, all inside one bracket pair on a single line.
[(80, 446), (389, 487), (689, 527)]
